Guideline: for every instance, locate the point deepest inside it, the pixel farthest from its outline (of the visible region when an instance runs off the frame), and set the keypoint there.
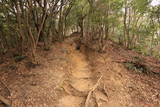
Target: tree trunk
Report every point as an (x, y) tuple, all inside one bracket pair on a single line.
[(125, 24)]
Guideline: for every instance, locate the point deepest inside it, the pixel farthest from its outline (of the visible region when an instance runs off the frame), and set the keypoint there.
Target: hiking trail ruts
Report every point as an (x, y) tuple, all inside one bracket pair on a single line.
[(80, 81)]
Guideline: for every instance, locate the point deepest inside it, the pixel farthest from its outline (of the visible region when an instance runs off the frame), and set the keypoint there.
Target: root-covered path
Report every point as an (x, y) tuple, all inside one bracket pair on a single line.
[(80, 81)]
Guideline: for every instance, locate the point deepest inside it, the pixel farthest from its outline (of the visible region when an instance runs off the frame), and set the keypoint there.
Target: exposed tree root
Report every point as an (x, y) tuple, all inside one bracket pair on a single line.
[(91, 91), (5, 101), (69, 89), (104, 89)]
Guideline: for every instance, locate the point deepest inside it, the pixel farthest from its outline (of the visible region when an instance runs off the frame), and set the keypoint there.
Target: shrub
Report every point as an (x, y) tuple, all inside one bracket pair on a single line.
[(137, 65)]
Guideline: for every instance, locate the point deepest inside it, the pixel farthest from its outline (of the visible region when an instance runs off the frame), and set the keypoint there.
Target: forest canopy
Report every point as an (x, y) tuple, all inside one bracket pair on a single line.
[(134, 24)]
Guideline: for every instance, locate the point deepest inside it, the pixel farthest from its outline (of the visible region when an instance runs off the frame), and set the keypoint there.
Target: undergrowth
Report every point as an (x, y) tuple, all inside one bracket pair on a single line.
[(19, 58), (137, 65)]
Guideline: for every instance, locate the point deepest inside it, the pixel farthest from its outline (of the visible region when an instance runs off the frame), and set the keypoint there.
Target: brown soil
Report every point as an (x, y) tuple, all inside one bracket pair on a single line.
[(66, 76)]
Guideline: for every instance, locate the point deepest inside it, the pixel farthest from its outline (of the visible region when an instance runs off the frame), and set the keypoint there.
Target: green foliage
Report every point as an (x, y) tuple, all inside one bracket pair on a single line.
[(19, 58), (141, 5), (79, 9), (130, 66), (100, 17), (137, 65)]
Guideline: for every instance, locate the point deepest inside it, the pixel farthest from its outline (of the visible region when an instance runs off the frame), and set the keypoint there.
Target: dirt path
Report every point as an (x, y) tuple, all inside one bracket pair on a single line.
[(63, 80), (81, 81), (66, 76)]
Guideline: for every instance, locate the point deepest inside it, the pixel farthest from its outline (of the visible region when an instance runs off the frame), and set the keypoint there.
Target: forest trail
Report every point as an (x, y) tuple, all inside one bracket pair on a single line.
[(67, 75), (80, 53), (79, 81)]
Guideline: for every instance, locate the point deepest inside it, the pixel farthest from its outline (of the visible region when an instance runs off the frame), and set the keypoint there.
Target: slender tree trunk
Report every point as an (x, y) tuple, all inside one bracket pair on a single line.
[(128, 29), (20, 30), (81, 24), (107, 23), (125, 24), (60, 23)]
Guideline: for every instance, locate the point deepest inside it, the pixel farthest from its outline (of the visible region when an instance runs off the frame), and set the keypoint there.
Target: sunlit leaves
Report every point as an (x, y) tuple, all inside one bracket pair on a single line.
[(141, 5)]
